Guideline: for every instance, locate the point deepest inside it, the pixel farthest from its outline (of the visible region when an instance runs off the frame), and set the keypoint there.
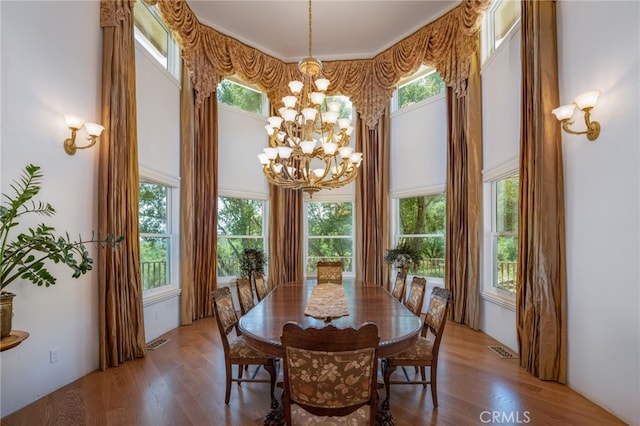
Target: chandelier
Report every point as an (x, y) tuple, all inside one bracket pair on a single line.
[(308, 142)]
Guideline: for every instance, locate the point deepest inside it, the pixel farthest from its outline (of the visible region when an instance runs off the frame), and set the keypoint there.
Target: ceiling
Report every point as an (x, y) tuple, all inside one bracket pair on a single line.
[(340, 29)]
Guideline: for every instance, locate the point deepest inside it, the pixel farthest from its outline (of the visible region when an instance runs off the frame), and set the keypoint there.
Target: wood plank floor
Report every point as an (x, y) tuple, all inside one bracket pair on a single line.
[(182, 383)]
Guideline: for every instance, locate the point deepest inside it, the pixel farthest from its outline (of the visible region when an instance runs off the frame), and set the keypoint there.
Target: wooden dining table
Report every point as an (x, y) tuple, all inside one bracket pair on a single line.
[(398, 327)]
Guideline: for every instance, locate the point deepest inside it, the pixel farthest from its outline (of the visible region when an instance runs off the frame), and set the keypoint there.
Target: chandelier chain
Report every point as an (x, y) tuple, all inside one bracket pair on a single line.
[(310, 55)]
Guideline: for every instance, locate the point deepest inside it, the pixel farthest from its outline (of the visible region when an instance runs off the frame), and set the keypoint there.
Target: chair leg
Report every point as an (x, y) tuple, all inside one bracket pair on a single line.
[(271, 368), (228, 375), (255, 373), (387, 375), (424, 376), (434, 390), (240, 371)]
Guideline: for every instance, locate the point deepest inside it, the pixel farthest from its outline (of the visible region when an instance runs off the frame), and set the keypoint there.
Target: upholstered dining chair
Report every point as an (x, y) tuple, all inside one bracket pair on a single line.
[(259, 285), (245, 295), (329, 272), (416, 295), (400, 285), (330, 373), (236, 350), (425, 352)]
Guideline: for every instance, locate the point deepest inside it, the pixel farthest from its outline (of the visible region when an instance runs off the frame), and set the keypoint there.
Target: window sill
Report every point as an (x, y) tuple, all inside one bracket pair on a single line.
[(498, 299), (160, 296)]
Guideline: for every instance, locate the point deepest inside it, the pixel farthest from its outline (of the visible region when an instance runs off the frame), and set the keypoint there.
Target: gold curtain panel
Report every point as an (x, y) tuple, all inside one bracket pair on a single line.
[(446, 44)]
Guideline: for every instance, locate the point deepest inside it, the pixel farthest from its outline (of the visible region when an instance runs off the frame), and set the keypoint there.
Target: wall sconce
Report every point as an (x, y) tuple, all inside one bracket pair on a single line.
[(74, 124), (585, 103)]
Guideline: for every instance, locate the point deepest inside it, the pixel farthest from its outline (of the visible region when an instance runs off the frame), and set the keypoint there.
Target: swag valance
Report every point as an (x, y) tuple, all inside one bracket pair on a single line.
[(446, 44)]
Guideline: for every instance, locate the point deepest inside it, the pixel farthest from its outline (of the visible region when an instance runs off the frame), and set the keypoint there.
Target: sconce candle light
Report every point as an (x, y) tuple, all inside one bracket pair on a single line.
[(585, 103), (74, 124)]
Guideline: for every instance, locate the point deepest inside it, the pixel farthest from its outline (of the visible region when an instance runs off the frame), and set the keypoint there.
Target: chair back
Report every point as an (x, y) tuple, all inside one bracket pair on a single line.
[(436, 317), (258, 283), (329, 272), (245, 295), (225, 314), (399, 286), (350, 355), (416, 295)]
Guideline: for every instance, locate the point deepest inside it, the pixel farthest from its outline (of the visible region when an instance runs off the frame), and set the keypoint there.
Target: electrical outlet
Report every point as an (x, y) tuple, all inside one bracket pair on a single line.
[(53, 355)]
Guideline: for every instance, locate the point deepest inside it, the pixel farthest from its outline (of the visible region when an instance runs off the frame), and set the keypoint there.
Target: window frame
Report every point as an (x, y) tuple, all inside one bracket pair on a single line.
[(326, 199), (172, 184), (487, 32), (422, 72), (264, 102), (231, 279)]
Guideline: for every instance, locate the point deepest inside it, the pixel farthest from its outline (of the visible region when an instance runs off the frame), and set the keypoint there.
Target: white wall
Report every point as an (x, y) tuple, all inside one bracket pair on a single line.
[(598, 49), (51, 65)]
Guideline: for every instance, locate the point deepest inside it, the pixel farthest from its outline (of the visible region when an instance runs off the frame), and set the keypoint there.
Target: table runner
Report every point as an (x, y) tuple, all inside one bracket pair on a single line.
[(327, 301)]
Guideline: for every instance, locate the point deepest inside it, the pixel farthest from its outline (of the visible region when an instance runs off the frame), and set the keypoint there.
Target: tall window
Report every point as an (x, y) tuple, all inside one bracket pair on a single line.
[(241, 96), (425, 84), (504, 238), (152, 34), (497, 23), (155, 234), (421, 225), (240, 225), (329, 230)]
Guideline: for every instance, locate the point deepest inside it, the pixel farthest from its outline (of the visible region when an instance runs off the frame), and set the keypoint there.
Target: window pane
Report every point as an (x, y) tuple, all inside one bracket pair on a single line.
[(507, 254), (330, 249), (422, 215), (229, 252), (507, 205), (325, 219), (505, 17), (239, 96), (154, 261), (148, 25), (420, 89), (153, 208), (237, 216)]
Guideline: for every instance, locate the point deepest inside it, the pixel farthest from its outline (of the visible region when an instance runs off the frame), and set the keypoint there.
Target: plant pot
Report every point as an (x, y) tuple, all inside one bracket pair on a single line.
[(6, 313)]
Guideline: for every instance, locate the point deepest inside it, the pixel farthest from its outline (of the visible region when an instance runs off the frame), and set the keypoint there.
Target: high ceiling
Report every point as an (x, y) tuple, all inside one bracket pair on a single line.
[(340, 29)]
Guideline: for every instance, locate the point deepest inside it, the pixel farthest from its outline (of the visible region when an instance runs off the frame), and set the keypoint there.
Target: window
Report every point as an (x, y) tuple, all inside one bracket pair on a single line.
[(153, 35), (504, 232), (156, 237), (420, 223), (497, 23), (241, 96), (329, 231), (240, 226), (425, 84)]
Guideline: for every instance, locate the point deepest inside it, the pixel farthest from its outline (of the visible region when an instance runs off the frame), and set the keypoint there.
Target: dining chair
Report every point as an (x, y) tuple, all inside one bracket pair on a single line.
[(400, 285), (416, 295), (425, 351), (258, 284), (245, 295), (329, 272), (330, 372), (236, 350)]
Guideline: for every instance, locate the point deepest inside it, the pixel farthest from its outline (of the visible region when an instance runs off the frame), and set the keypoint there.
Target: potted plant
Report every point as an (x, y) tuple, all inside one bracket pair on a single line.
[(24, 255), (403, 256), (252, 260)]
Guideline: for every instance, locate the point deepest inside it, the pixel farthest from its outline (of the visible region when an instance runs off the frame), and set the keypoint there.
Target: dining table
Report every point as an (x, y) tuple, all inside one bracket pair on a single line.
[(398, 327)]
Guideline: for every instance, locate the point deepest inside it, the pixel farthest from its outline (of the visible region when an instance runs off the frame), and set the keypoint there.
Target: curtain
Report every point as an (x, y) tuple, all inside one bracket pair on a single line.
[(120, 288), (541, 295), (187, 212), (372, 201), (464, 198)]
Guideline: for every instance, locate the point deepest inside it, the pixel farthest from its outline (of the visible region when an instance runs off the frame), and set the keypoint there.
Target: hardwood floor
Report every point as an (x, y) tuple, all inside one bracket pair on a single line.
[(182, 383)]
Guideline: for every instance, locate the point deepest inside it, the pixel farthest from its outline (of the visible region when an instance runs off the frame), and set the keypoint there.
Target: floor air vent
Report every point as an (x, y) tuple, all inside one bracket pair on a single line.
[(155, 344), (502, 352)]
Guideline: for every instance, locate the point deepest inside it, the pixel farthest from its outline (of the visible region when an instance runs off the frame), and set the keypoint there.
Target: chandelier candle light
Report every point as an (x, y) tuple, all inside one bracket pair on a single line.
[(308, 144)]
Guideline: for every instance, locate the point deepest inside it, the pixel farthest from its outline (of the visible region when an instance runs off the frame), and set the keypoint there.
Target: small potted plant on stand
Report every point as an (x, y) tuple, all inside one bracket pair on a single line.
[(24, 255), (403, 257), (252, 260)]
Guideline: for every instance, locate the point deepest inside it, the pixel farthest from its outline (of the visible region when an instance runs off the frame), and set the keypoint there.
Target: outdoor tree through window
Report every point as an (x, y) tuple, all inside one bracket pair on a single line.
[(155, 235), (505, 233), (329, 234)]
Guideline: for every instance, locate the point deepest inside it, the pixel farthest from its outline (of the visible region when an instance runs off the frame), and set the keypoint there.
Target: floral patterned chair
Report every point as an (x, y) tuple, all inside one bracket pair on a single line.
[(329, 272), (245, 295), (425, 352), (399, 286), (416, 295), (236, 350), (259, 285), (330, 374)]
